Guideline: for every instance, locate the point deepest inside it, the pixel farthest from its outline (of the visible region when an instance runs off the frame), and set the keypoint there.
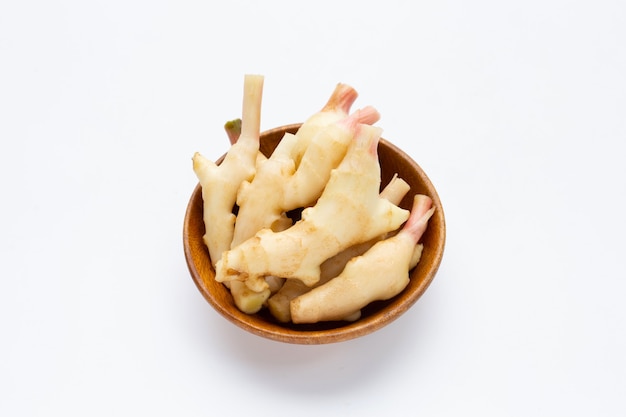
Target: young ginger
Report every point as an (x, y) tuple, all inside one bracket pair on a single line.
[(233, 130), (220, 183), (278, 304), (259, 209), (325, 151), (348, 212), (379, 274), (293, 188), (259, 200), (336, 108)]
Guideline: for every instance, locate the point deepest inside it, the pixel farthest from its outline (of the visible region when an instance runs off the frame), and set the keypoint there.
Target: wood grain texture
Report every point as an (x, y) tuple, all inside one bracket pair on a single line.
[(374, 316)]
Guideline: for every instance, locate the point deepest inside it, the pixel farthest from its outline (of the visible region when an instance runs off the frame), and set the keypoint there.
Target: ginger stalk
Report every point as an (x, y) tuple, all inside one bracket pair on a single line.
[(220, 183), (369, 277), (395, 190), (233, 131), (348, 212)]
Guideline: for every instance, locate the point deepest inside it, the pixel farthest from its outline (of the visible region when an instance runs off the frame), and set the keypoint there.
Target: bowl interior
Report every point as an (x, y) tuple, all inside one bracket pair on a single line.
[(374, 316)]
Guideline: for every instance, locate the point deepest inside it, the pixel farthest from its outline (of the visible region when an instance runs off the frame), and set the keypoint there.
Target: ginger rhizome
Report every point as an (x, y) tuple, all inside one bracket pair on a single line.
[(346, 247), (279, 303), (362, 277), (294, 187)]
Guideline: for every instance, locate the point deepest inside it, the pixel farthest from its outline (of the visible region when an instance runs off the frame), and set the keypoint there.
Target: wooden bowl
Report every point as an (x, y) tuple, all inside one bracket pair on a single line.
[(375, 315)]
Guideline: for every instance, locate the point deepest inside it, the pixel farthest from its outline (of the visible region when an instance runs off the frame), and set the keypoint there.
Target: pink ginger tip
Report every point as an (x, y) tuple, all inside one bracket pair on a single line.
[(341, 99)]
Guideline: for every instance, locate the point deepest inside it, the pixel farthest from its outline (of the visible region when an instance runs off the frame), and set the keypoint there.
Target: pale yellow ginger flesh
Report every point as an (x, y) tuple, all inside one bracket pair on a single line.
[(369, 277), (220, 184), (348, 212)]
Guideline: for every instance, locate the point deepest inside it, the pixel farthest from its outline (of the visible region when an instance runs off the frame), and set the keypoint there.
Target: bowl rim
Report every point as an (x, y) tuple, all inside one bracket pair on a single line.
[(347, 331)]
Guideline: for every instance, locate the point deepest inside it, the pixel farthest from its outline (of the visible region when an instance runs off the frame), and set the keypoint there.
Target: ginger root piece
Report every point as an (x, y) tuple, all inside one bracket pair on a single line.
[(220, 183), (251, 301), (336, 108), (246, 300), (279, 303), (325, 151), (293, 187), (259, 200), (369, 277), (348, 212)]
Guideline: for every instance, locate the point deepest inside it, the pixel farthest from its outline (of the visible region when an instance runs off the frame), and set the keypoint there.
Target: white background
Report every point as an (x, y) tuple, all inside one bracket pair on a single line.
[(516, 110)]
